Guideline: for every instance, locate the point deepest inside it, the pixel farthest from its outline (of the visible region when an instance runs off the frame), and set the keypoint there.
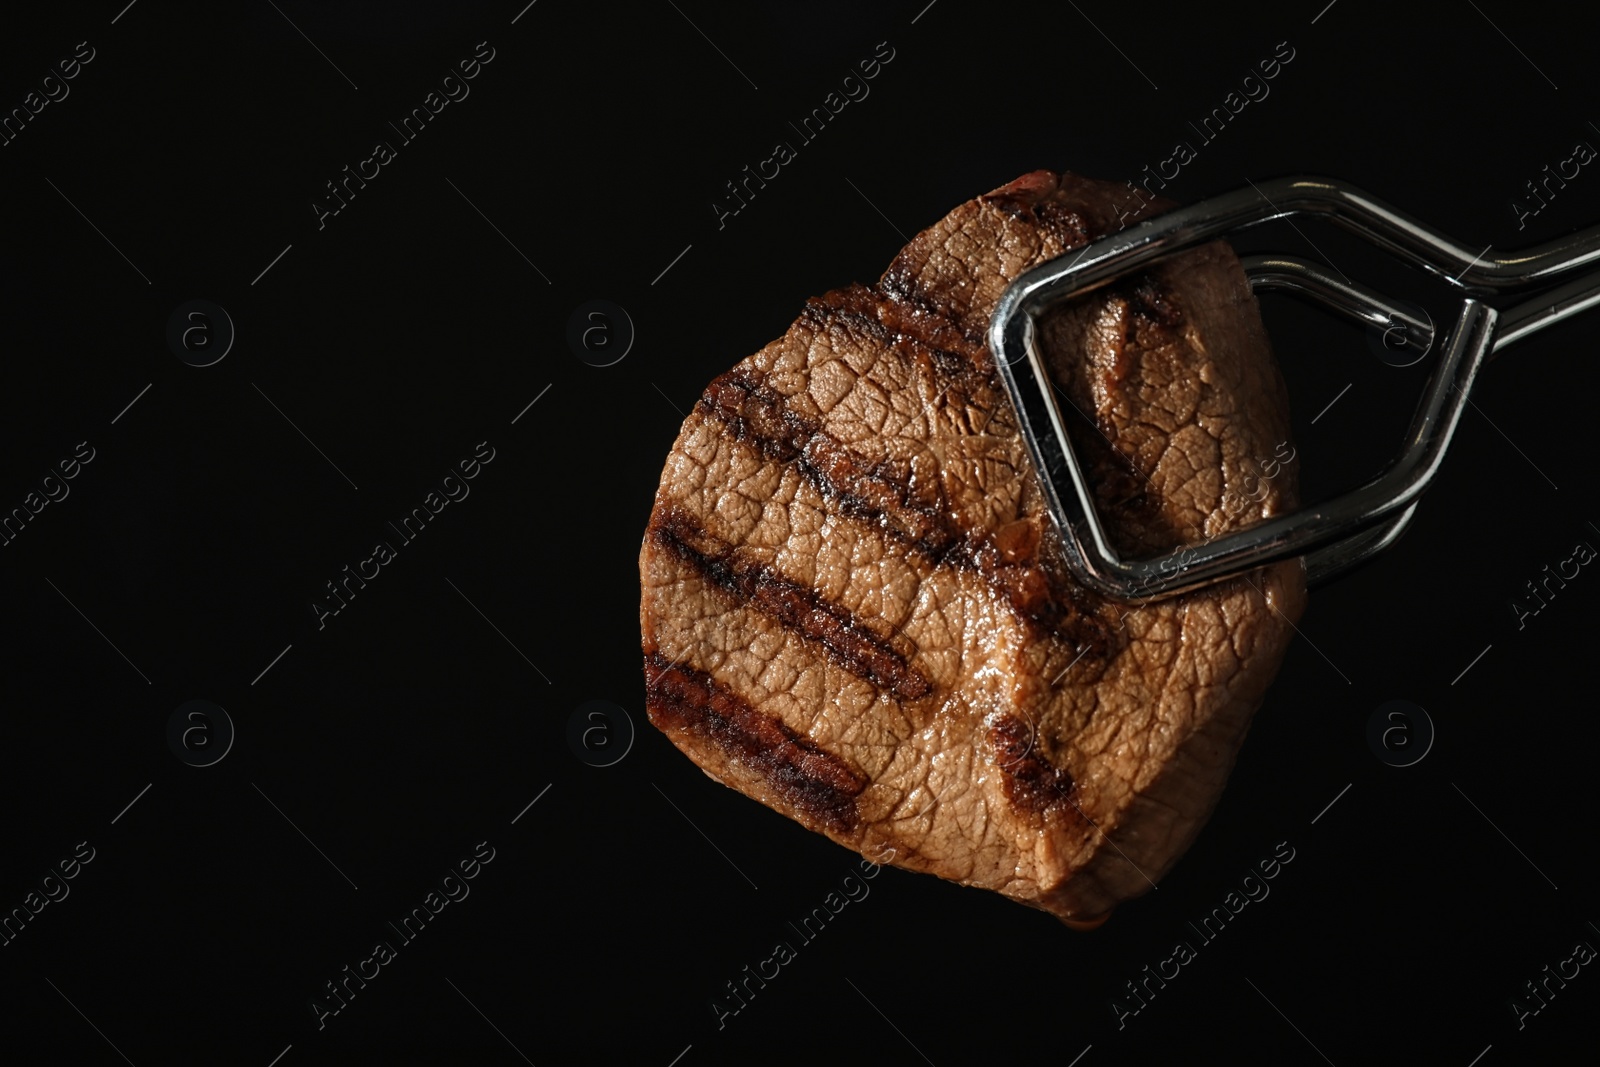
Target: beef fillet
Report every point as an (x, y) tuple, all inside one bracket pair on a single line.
[(855, 608)]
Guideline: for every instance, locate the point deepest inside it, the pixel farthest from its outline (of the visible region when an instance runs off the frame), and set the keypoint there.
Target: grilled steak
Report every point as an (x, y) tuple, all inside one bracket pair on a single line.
[(854, 605)]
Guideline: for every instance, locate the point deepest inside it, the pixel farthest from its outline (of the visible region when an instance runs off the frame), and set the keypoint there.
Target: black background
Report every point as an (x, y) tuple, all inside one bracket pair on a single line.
[(425, 716)]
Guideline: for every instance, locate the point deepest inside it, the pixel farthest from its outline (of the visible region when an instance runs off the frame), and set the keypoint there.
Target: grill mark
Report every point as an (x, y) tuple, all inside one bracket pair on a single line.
[(1073, 211), (814, 782), (1033, 206), (902, 291), (962, 372), (866, 490), (889, 316), (1122, 490), (1050, 217), (847, 640), (1031, 782), (1148, 297), (1072, 201), (757, 415)]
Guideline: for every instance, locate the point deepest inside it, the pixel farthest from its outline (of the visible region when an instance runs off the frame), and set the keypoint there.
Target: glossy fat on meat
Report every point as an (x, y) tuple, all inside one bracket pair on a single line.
[(854, 606)]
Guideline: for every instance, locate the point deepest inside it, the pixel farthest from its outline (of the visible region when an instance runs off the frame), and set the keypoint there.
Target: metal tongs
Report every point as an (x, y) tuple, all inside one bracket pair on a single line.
[(1339, 533)]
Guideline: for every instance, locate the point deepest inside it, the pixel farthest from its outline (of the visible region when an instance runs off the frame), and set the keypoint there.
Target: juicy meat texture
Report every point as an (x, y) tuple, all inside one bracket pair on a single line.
[(855, 608)]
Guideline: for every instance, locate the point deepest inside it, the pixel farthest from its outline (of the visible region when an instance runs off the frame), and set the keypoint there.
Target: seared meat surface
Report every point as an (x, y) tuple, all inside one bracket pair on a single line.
[(854, 605)]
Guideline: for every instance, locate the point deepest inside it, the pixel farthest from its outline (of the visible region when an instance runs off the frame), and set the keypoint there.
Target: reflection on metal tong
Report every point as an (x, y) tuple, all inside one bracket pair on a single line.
[(1339, 533)]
